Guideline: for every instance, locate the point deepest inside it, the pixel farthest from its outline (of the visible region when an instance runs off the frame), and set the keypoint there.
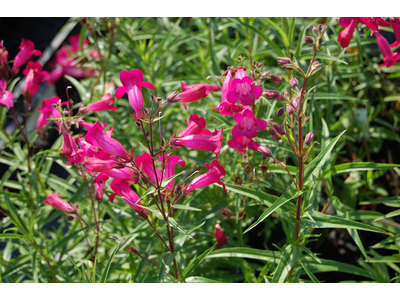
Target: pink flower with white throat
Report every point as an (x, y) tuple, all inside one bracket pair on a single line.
[(214, 175), (132, 84), (390, 58), (242, 143), (243, 89), (247, 124), (196, 125)]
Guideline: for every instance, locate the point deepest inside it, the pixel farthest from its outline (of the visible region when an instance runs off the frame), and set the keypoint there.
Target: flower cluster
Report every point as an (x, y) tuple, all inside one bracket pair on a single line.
[(350, 23)]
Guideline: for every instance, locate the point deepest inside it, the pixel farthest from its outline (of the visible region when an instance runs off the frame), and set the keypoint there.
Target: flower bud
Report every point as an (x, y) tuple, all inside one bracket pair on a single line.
[(289, 109), (284, 60), (272, 130), (278, 128), (281, 98), (295, 102), (306, 119), (265, 151), (309, 40), (173, 97), (158, 99), (272, 94), (314, 30), (294, 83), (280, 112), (276, 137), (275, 78), (309, 138)]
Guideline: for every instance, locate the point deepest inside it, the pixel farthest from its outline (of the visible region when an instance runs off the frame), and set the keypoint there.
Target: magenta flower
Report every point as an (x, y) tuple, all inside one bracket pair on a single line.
[(55, 200), (48, 111), (220, 236), (389, 57), (374, 22), (196, 125), (99, 185), (132, 83), (145, 163), (122, 188), (214, 175), (346, 35), (93, 164), (105, 103), (396, 29), (6, 97), (197, 92), (242, 143), (98, 138), (247, 124), (123, 174), (26, 51), (71, 150), (243, 89), (34, 78), (229, 109), (169, 169), (200, 142), (209, 87)]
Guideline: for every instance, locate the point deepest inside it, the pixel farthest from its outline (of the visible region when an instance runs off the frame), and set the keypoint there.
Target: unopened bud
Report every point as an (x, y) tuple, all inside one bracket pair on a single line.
[(314, 30), (264, 151), (280, 112), (173, 97), (152, 97), (309, 138), (289, 109), (295, 102), (158, 99), (281, 98), (294, 83), (278, 128), (70, 218), (143, 215), (272, 130), (276, 137), (316, 63), (309, 40), (275, 78), (306, 119), (272, 94), (284, 60)]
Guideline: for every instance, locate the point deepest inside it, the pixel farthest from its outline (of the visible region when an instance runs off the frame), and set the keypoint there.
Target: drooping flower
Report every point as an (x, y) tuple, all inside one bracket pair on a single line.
[(389, 57), (34, 78), (105, 103), (99, 185), (26, 51), (346, 35), (243, 89), (123, 174), (242, 143), (214, 175), (132, 83), (396, 28), (55, 200), (209, 87), (93, 164), (247, 125), (220, 236), (6, 97), (145, 162), (71, 150), (122, 188), (98, 138), (196, 125), (200, 142), (48, 111), (374, 22), (195, 93), (169, 169)]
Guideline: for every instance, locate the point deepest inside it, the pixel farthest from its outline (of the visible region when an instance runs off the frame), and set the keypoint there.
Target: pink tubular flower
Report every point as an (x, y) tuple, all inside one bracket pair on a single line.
[(132, 83), (55, 200), (197, 92), (209, 87), (196, 125), (374, 22), (26, 51), (200, 142), (123, 174), (145, 163), (6, 97), (98, 138), (169, 169), (248, 124), (70, 149), (93, 164), (229, 109), (243, 90), (99, 185), (48, 111), (34, 77), (220, 236), (396, 29), (242, 143), (214, 175), (105, 103), (122, 188), (389, 57), (346, 35)]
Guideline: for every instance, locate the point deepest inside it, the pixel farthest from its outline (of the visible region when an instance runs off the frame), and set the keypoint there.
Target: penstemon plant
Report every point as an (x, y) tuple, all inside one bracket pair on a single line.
[(243, 182)]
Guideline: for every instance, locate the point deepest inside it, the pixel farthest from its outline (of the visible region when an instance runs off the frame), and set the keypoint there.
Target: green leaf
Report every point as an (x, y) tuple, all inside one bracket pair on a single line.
[(192, 266), (274, 46), (389, 215), (315, 219), (12, 236), (281, 32), (263, 255), (389, 201), (322, 56), (356, 166), (186, 207), (197, 279), (106, 270), (301, 41), (287, 260), (15, 215), (311, 275)]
